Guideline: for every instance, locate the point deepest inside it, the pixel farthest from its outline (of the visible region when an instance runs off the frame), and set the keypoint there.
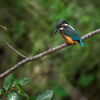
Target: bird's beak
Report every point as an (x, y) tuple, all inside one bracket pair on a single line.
[(55, 31)]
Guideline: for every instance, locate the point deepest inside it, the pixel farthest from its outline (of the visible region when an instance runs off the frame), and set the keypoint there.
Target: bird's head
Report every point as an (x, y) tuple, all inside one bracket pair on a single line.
[(59, 24)]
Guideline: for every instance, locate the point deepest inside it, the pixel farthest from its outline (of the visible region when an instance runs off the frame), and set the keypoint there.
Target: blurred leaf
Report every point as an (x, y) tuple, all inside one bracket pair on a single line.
[(8, 82), (13, 96), (24, 81), (33, 98), (19, 87), (85, 19), (20, 91), (15, 82), (85, 80), (47, 95), (18, 4), (25, 95), (18, 29), (1, 91), (59, 91)]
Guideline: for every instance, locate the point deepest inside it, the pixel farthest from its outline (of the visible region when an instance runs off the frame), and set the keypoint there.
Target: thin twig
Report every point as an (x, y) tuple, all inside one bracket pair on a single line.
[(12, 48), (3, 27), (7, 72), (10, 45)]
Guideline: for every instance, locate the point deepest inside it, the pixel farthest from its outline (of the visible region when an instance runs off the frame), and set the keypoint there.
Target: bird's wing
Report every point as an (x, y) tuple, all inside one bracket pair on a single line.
[(72, 33)]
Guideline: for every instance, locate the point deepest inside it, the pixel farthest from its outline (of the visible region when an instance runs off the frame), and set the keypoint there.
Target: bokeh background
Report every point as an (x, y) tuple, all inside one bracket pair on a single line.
[(30, 24)]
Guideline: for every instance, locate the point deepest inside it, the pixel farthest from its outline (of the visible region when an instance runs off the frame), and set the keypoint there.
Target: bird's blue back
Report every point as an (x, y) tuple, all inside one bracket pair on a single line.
[(72, 33)]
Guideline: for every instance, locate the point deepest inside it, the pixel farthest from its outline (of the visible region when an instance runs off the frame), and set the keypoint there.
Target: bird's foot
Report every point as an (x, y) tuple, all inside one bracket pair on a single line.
[(65, 43)]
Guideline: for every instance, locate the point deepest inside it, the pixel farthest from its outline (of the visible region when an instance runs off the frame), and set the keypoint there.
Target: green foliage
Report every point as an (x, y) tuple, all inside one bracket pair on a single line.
[(23, 81), (85, 80), (1, 91), (11, 84), (59, 91), (33, 98), (8, 82), (25, 95), (13, 96), (47, 95)]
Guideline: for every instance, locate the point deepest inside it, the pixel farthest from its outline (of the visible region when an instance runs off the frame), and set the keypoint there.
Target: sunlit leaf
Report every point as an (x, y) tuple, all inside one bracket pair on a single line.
[(15, 82), (19, 87), (13, 96), (47, 95), (24, 81), (8, 82)]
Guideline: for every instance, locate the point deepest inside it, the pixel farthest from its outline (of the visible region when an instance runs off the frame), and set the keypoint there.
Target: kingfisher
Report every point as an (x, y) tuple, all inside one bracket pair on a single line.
[(68, 32)]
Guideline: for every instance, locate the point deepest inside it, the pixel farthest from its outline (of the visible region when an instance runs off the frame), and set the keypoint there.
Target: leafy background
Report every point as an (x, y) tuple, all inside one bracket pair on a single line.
[(30, 24)]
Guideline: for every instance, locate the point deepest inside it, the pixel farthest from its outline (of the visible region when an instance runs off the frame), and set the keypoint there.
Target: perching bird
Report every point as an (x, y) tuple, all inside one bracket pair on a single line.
[(68, 32)]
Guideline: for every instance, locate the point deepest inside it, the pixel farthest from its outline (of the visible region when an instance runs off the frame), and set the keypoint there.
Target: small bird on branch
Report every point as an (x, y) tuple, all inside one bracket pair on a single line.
[(68, 32)]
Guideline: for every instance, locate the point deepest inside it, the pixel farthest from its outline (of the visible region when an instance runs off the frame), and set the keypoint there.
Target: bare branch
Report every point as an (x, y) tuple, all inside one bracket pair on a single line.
[(3, 27), (12, 47), (7, 72)]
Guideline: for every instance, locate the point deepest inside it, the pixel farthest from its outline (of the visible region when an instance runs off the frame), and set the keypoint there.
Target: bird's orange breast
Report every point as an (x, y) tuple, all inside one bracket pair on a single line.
[(68, 39)]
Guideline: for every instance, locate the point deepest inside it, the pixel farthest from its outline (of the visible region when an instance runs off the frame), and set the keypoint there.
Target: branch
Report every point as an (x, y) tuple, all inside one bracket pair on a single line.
[(3, 27), (7, 72), (12, 48)]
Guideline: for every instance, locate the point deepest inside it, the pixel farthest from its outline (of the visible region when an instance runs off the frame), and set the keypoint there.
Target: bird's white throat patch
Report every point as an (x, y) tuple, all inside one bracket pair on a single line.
[(68, 26)]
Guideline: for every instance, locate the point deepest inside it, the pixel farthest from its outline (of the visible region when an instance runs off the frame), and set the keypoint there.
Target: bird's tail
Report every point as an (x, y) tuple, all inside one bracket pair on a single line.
[(81, 43)]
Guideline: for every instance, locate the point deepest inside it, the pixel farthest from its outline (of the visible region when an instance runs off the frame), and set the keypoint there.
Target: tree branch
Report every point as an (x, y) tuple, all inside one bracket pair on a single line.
[(12, 48), (3, 27), (7, 72), (9, 44)]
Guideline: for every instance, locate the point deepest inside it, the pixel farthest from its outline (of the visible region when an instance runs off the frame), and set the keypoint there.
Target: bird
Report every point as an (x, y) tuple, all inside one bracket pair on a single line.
[(68, 32)]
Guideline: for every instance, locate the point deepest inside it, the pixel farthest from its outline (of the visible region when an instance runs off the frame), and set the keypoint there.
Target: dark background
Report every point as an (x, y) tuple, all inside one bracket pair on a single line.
[(30, 24)]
